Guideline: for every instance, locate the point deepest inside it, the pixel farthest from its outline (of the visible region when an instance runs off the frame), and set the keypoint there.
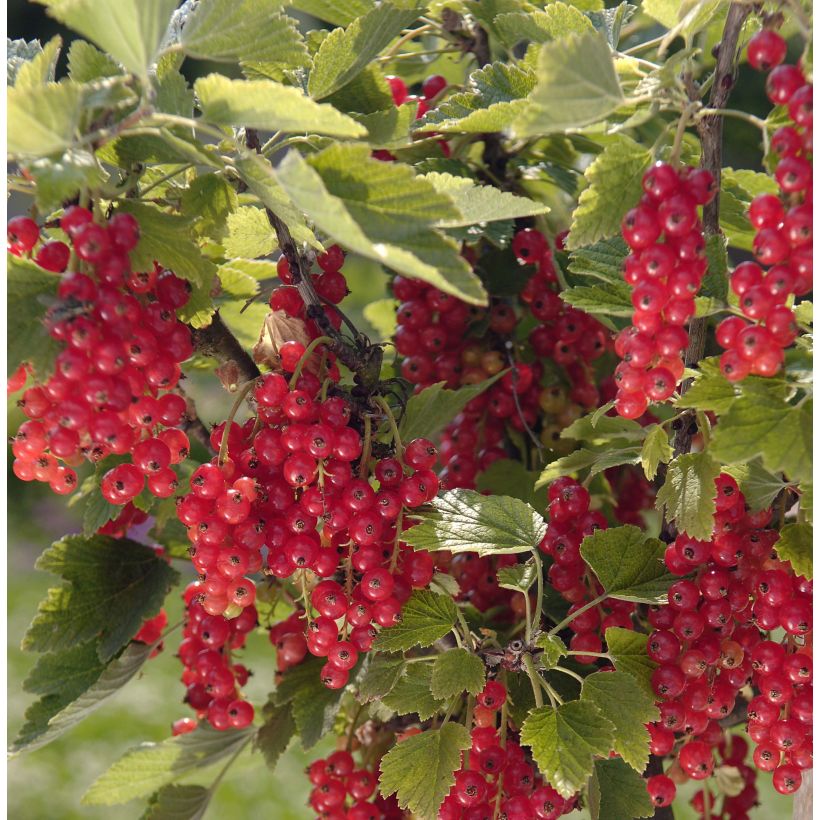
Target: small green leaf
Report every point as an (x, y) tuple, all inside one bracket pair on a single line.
[(553, 650), (379, 677), (610, 299), (466, 521), (710, 390), (40, 69), (421, 769), (425, 618), (346, 52), (554, 22), (430, 410), (577, 86), (596, 460), (795, 546), (271, 106), (249, 234), (613, 186), (688, 494), (209, 199), (510, 477), (381, 315), (610, 21), (629, 707), (87, 63), (243, 30), (628, 564), (758, 485), (656, 450), (603, 429), (59, 179), (129, 30), (275, 733), (110, 586), (456, 671), (335, 12), (176, 802), (564, 742), (628, 651), (616, 792), (149, 766), (412, 694), (43, 120), (518, 577)]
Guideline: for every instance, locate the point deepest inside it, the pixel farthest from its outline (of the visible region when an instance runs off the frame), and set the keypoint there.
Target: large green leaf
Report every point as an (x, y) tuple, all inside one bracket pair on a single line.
[(335, 12), (595, 459), (629, 707), (628, 651), (421, 769), (613, 186), (467, 521), (176, 802), (345, 52), (556, 21), (710, 389), (688, 494), (628, 564), (250, 234), (72, 684), (43, 120), (61, 178), (795, 546), (129, 30), (240, 30), (382, 212), (110, 586), (150, 766), (379, 677), (565, 740), (425, 617), (29, 288), (492, 99), (577, 86), (617, 792), (456, 671), (275, 733), (413, 695), (759, 487), (270, 106), (430, 410)]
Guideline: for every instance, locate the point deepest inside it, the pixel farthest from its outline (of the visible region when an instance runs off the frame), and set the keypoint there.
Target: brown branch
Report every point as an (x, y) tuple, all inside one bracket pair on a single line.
[(710, 132), (217, 341)]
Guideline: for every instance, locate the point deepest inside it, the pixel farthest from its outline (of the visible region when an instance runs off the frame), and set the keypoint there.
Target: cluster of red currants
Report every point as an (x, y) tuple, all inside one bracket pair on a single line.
[(497, 780), (111, 392), (783, 241), (343, 792), (570, 521), (666, 275), (709, 645), (211, 677)]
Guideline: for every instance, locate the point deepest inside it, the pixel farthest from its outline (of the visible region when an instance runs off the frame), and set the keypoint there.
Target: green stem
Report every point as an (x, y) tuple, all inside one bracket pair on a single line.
[(683, 123), (368, 441), (591, 654), (527, 618), (535, 681), (231, 761), (539, 590), (319, 340), (242, 393), (165, 178), (570, 618), (570, 673), (394, 428), (410, 35), (468, 637)]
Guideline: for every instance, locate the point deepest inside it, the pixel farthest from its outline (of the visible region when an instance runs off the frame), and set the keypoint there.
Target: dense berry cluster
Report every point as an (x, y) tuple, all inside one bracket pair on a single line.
[(718, 636), (783, 241), (665, 268), (497, 780), (112, 391)]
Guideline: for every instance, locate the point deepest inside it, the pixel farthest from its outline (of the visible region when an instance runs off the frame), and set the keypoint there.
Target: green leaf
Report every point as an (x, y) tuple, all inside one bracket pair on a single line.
[(480, 203), (597, 428), (760, 423), (110, 586), (710, 390), (737, 189), (412, 694), (610, 299), (456, 671), (492, 99), (150, 766), (271, 106), (346, 52), (176, 802), (43, 120), (382, 212), (275, 733), (554, 22), (628, 651), (390, 127), (616, 792), (430, 410), (381, 315), (656, 450), (596, 460), (629, 707), (73, 683), (510, 477), (664, 11), (518, 577), (29, 288), (59, 179), (209, 199), (577, 86), (628, 564), (610, 21), (249, 234), (243, 30), (613, 186), (602, 261), (466, 521), (688, 494), (716, 282), (421, 769), (758, 485), (425, 618), (129, 30), (20, 53), (87, 63), (795, 546), (564, 742), (335, 12), (553, 650), (40, 69), (380, 676), (258, 175)]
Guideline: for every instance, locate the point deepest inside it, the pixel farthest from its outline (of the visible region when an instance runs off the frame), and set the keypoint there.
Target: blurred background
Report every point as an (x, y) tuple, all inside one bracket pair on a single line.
[(48, 784)]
